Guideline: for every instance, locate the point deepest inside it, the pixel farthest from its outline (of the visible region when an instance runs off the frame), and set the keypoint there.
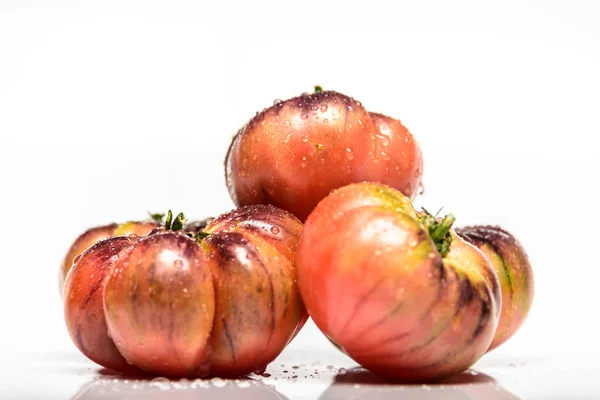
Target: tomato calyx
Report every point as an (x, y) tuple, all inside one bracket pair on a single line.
[(178, 223), (439, 230), (318, 89)]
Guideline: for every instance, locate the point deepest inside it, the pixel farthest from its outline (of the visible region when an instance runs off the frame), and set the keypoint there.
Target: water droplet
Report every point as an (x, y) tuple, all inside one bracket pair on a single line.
[(473, 372), (132, 236), (287, 123), (178, 263), (303, 163), (315, 107), (304, 116), (305, 139), (349, 154), (266, 375), (342, 371), (325, 121), (218, 382), (277, 101), (385, 156), (324, 108), (275, 230)]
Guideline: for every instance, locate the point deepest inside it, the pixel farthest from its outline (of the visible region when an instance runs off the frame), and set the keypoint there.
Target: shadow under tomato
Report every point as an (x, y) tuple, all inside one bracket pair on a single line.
[(115, 386), (358, 383)]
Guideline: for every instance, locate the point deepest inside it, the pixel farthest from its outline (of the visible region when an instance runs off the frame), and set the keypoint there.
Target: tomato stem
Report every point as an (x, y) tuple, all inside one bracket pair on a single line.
[(439, 230), (318, 89)]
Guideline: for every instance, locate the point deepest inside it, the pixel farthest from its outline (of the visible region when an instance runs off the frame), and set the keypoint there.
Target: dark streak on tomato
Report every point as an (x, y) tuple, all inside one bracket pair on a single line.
[(228, 337)]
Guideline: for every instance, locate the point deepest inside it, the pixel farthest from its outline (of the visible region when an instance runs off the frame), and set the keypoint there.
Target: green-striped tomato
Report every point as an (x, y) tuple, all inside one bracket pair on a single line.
[(514, 271), (397, 291)]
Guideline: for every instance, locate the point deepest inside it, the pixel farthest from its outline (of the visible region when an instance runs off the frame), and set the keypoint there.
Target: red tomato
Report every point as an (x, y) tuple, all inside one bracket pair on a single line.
[(514, 271), (223, 303), (294, 153), (398, 292)]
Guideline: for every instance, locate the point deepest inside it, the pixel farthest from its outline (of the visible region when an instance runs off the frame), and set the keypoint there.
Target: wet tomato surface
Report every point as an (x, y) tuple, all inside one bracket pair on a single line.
[(219, 301), (294, 153), (396, 290)]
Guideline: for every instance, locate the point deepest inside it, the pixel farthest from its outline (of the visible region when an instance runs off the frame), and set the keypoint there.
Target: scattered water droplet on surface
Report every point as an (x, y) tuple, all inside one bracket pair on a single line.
[(275, 230), (349, 154), (305, 139), (277, 101), (303, 163), (342, 371), (218, 382), (385, 156), (324, 108), (178, 263), (304, 116)]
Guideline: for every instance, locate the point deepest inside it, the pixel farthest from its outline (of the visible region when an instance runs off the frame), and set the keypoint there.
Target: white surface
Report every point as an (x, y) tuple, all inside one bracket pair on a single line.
[(109, 109)]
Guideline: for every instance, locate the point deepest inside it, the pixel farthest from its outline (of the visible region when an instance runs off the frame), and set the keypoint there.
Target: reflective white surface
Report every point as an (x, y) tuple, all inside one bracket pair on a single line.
[(301, 372)]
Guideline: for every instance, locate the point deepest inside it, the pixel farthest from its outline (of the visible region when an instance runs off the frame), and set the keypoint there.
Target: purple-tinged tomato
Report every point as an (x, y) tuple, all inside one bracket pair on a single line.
[(514, 272), (294, 153), (396, 290)]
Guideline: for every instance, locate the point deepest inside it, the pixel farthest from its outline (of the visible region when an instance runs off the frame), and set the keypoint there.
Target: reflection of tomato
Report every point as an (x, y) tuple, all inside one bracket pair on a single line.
[(222, 303), (399, 292), (93, 235), (294, 153), (514, 271)]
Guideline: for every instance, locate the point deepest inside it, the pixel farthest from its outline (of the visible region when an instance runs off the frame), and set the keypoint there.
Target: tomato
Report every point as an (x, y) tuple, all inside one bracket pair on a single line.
[(93, 235), (514, 271), (223, 302), (294, 153), (397, 291), (83, 307)]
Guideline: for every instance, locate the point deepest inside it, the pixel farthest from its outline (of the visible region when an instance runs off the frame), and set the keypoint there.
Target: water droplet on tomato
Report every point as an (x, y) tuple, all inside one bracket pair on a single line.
[(385, 156), (349, 154), (275, 230), (304, 116), (303, 163), (305, 139), (324, 108), (277, 101), (342, 371), (178, 263)]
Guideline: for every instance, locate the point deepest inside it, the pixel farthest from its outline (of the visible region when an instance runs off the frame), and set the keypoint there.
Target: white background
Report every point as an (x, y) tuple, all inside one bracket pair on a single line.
[(111, 109)]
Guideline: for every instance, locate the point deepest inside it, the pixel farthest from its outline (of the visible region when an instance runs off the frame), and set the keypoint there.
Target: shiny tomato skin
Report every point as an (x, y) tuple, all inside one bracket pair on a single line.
[(225, 305), (258, 307), (294, 153), (159, 305), (83, 303), (514, 271), (94, 235), (374, 283)]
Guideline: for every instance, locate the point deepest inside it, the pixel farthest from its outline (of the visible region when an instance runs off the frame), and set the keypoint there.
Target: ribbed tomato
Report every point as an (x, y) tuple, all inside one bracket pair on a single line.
[(396, 290)]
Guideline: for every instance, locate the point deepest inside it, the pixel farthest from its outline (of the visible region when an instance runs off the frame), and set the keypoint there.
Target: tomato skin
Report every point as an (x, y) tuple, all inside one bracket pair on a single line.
[(259, 309), (84, 314), (159, 305), (224, 307), (374, 283), (96, 234), (294, 153), (512, 266)]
